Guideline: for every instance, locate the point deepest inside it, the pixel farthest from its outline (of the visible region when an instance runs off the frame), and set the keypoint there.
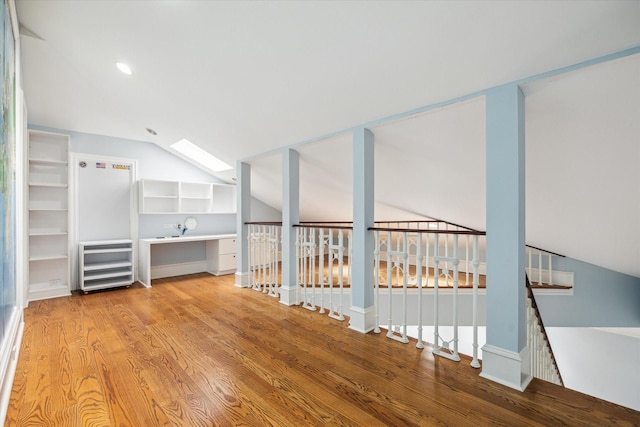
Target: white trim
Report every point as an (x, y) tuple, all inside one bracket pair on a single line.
[(506, 367), (560, 278), (181, 269), (552, 291), (243, 280), (288, 295), (362, 320), (9, 359)]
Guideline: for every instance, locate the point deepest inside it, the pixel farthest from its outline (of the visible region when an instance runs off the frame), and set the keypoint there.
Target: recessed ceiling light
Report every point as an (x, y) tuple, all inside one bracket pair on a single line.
[(151, 131), (124, 68), (200, 156)]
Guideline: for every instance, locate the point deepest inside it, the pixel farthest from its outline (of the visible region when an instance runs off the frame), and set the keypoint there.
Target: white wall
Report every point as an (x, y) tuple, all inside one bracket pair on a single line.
[(600, 362)]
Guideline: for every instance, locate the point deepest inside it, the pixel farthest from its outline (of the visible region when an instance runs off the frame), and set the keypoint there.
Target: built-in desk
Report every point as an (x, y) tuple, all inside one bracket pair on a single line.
[(220, 255)]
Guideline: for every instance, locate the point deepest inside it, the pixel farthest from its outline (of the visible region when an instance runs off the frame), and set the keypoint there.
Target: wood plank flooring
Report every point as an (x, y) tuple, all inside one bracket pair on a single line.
[(197, 351)]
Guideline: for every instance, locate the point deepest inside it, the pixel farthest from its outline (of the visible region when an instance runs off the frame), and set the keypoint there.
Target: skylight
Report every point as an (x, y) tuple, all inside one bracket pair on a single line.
[(200, 156)]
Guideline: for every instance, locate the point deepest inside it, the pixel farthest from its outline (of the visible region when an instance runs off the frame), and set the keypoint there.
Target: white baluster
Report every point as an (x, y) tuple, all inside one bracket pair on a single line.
[(420, 344), (405, 276), (321, 268), (455, 297), (466, 262), (389, 275), (341, 273), (376, 280), (436, 274), (539, 268), (476, 263)]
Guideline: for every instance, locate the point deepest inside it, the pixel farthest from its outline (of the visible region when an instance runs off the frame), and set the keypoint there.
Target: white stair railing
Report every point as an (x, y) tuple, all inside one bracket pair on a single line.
[(540, 266), (543, 364), (439, 244), (323, 247), (264, 257)]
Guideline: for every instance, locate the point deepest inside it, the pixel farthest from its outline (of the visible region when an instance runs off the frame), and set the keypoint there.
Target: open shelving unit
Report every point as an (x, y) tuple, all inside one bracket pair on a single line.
[(48, 216), (105, 264), (158, 197)]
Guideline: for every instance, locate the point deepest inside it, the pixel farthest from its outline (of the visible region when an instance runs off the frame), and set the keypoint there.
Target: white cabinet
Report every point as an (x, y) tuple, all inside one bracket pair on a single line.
[(157, 197), (48, 217), (221, 256), (105, 264)]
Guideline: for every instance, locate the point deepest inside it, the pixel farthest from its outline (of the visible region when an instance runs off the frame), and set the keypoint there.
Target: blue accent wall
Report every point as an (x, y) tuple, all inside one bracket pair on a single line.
[(601, 298)]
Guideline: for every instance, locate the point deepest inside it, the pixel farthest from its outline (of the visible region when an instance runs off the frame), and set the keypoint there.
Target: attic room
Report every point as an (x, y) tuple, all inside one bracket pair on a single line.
[(451, 183)]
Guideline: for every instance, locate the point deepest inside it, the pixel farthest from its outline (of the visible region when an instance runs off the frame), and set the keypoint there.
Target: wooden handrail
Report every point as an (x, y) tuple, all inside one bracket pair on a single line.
[(263, 223), (324, 225), (546, 251), (414, 230)]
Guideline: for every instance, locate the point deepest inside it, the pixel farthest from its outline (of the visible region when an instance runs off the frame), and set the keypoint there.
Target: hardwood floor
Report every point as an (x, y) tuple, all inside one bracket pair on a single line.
[(197, 351)]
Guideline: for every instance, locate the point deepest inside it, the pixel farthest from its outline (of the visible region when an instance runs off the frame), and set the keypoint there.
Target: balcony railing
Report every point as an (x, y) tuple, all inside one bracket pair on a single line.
[(265, 240), (412, 260), (426, 255), (324, 266)]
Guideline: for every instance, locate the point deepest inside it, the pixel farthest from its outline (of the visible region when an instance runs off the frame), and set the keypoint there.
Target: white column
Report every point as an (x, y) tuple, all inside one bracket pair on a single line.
[(506, 355), (362, 308), (243, 179), (290, 217)]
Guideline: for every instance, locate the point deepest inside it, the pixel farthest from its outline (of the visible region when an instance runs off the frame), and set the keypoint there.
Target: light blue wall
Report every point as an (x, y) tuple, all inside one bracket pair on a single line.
[(156, 163), (601, 297)]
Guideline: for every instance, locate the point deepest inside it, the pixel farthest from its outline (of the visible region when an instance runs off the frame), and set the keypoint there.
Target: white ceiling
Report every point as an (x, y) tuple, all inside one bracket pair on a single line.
[(243, 78)]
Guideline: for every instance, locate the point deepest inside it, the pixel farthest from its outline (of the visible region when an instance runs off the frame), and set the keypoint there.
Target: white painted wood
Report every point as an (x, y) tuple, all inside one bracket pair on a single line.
[(49, 273), (506, 367), (9, 357), (146, 272), (170, 197), (105, 264), (172, 270)]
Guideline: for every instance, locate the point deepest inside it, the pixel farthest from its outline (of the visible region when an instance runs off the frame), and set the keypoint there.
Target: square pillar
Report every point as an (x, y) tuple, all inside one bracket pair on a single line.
[(290, 217), (362, 309), (243, 200), (506, 355)]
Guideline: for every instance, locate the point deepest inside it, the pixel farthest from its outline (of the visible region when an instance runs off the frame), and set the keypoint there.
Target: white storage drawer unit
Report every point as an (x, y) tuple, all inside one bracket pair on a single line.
[(221, 256), (105, 264)]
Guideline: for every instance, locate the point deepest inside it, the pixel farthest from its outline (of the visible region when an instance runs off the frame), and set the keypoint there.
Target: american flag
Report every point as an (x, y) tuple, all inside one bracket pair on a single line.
[(101, 165)]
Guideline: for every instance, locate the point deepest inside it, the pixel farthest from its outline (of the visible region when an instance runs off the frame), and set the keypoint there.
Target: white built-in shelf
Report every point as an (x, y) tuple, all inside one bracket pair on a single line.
[(47, 184), (48, 219), (105, 264), (171, 197), (49, 233), (48, 257), (46, 162)]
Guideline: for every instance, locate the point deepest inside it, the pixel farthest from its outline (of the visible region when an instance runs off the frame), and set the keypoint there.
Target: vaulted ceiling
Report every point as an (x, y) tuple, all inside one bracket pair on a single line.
[(244, 78)]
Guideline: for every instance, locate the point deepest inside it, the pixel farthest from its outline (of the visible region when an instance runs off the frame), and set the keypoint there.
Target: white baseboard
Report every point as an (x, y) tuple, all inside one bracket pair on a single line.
[(243, 280), (362, 320), (171, 270), (288, 296), (9, 359), (506, 367)]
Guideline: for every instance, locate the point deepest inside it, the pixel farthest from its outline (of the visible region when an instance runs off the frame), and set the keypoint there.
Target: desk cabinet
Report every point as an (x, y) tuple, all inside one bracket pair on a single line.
[(219, 259), (105, 264), (221, 256)]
